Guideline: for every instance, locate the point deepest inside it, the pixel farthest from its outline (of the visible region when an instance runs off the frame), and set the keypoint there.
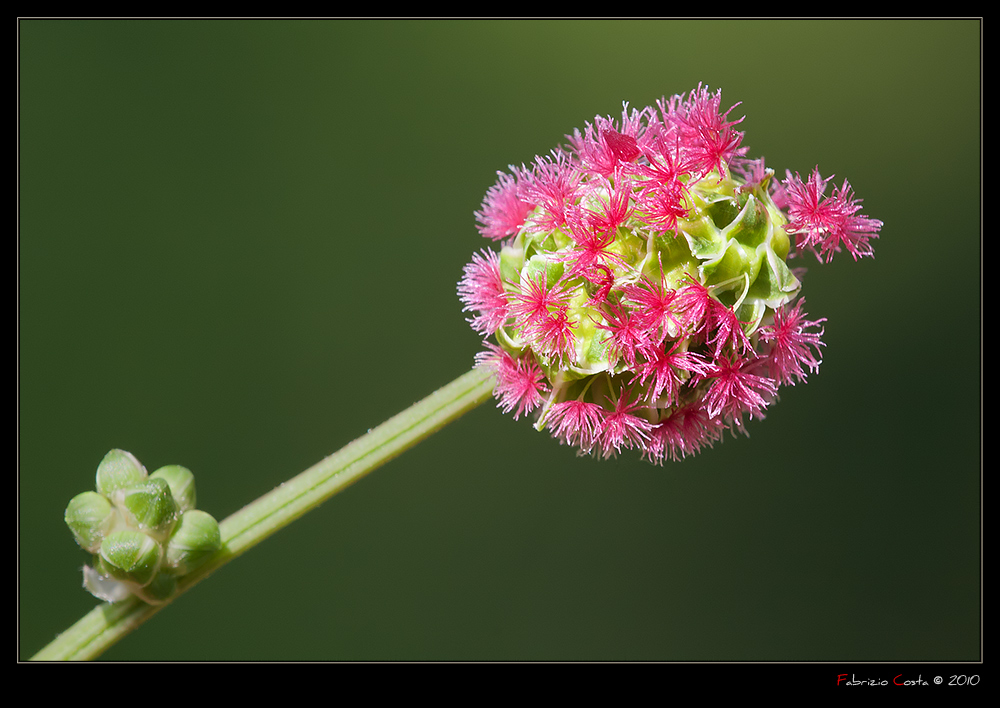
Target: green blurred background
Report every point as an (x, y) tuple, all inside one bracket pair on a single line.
[(238, 248)]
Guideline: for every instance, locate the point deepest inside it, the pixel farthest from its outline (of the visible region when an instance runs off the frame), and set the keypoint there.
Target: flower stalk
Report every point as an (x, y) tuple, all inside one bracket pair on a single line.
[(106, 624)]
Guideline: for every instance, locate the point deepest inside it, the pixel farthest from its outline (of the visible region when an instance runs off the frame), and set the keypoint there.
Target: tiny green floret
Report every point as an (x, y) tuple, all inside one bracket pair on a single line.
[(181, 483), (118, 470), (194, 541), (91, 516)]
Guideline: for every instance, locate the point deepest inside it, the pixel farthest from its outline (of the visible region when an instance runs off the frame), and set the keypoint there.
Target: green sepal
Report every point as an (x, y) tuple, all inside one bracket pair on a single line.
[(511, 262), (510, 342), (743, 237), (90, 516), (752, 226), (702, 236), (150, 507), (194, 541), (181, 482), (159, 590), (775, 284), (750, 313), (118, 469), (673, 254), (534, 266), (724, 209), (733, 267), (130, 556)]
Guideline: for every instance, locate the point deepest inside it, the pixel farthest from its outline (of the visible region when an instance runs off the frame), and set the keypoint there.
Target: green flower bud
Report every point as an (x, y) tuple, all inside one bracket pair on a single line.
[(194, 541), (118, 469), (90, 516), (181, 482), (149, 506), (130, 556)]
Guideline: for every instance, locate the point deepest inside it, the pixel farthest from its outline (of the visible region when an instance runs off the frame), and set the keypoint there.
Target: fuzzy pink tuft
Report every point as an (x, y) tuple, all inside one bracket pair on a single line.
[(552, 335), (504, 210), (535, 300), (685, 432), (792, 344), (662, 195), (602, 147), (825, 224), (709, 138), (576, 423), (553, 184), (615, 206), (590, 257), (482, 291), (520, 383), (662, 368), (735, 390), (621, 428)]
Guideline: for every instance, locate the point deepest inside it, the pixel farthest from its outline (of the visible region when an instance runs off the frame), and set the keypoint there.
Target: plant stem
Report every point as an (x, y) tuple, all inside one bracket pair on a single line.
[(107, 623)]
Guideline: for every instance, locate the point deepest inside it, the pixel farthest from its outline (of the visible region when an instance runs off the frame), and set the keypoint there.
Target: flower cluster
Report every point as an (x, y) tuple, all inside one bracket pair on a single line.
[(143, 529), (641, 297)]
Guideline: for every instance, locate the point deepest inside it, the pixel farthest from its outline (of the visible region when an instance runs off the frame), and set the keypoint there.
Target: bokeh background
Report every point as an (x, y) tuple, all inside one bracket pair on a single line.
[(238, 248)]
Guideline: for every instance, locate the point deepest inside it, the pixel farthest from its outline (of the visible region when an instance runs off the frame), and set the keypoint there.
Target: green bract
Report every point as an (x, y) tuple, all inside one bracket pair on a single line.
[(143, 529)]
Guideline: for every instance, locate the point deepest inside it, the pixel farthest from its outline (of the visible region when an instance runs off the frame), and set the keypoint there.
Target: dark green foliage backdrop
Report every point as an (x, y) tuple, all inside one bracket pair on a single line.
[(238, 248)]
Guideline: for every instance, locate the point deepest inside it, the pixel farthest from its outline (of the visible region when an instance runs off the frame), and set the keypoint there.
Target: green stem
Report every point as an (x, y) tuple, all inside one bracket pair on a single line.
[(107, 623)]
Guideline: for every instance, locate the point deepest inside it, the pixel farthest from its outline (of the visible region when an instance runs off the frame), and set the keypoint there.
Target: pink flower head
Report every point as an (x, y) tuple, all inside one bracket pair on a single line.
[(504, 210), (622, 428), (653, 304), (824, 224), (482, 291), (626, 335), (735, 390), (602, 147), (629, 263), (685, 432), (576, 422), (709, 139), (553, 185), (520, 383), (664, 368), (792, 344)]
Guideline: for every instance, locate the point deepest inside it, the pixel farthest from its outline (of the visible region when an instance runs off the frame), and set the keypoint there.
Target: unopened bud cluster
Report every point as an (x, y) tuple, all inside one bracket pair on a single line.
[(143, 529)]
